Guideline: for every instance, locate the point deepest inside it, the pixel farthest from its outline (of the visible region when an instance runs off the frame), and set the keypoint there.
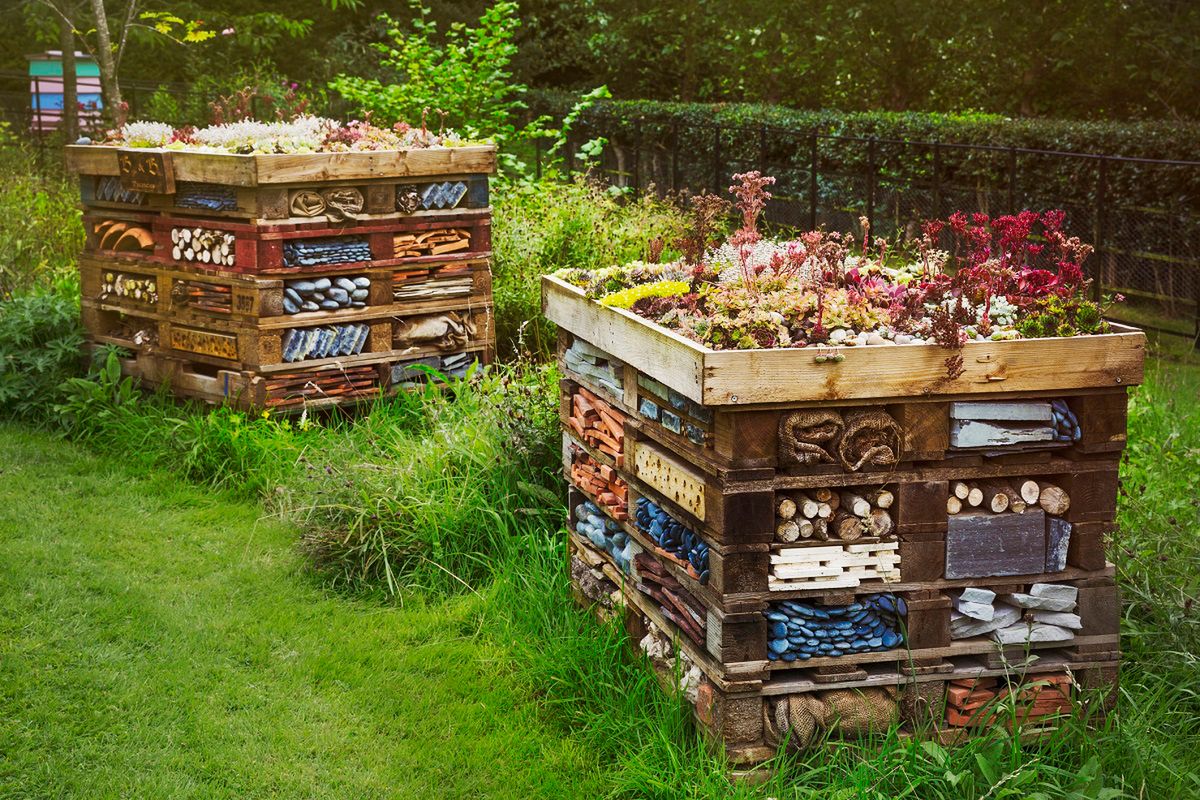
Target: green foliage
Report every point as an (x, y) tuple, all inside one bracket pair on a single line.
[(468, 78), (540, 227), (40, 340), (900, 166), (41, 231)]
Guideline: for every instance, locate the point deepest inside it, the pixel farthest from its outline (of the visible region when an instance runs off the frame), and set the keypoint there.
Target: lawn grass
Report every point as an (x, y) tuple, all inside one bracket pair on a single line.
[(161, 640)]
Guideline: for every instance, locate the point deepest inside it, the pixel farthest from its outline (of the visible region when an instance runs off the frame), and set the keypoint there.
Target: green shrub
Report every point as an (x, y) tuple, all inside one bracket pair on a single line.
[(40, 340), (540, 227), (655, 125), (41, 232)]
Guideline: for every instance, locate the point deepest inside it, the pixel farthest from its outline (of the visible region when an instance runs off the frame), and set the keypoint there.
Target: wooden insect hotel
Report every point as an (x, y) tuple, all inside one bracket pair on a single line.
[(835, 545), (288, 280)]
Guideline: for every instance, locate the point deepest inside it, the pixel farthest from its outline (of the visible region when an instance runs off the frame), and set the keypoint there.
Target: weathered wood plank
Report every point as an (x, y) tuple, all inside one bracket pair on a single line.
[(661, 354), (253, 170)]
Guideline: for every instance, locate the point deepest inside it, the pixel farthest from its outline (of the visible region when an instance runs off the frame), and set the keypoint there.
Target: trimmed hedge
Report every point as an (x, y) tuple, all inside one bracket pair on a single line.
[(1069, 181)]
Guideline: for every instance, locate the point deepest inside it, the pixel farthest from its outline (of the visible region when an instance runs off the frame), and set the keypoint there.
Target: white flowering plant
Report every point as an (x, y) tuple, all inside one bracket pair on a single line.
[(304, 134)]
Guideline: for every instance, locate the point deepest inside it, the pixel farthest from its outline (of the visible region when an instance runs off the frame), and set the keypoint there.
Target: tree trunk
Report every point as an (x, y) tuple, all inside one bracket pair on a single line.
[(113, 103), (70, 117)]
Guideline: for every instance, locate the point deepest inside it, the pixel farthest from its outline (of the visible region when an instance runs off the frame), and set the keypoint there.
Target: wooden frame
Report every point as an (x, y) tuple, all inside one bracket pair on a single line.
[(752, 377), (258, 170)]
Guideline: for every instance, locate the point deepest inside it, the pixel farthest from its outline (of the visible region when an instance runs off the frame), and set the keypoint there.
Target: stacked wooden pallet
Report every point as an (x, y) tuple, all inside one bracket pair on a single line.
[(289, 281), (871, 556)]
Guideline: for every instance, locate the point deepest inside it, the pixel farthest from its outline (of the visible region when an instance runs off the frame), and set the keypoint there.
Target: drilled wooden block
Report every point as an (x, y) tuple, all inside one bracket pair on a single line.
[(675, 480)]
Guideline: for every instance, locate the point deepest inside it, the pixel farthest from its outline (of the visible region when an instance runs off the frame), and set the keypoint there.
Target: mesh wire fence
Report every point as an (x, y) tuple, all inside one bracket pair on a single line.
[(1142, 215)]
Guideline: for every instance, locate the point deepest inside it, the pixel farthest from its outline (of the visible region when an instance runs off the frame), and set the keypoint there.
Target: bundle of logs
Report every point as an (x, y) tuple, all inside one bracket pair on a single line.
[(325, 294), (449, 331), (602, 482), (322, 252), (982, 702), (206, 196), (675, 603), (213, 297), (416, 372), (835, 566), (449, 281), (294, 388), (598, 424), (123, 237), (1002, 495), (831, 514), (672, 539), (803, 630), (1044, 614), (300, 344), (1012, 425), (605, 533), (134, 287), (204, 245), (596, 364), (860, 438), (431, 243)]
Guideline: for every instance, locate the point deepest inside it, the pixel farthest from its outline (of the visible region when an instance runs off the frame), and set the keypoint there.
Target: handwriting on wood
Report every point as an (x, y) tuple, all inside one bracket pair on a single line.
[(148, 171), (221, 345)]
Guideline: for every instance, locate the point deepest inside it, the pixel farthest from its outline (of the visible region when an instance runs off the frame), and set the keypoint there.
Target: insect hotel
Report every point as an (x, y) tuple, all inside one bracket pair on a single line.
[(832, 540), (288, 280)]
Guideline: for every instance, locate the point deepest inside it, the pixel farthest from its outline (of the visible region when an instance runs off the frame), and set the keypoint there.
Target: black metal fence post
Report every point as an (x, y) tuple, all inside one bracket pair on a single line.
[(1098, 228), (1012, 180), (636, 167), (762, 148), (675, 156), (871, 184), (937, 180), (717, 170), (812, 182)]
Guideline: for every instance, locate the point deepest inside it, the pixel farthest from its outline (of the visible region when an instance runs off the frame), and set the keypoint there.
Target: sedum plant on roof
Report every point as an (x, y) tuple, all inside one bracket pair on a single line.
[(965, 278), (304, 134)]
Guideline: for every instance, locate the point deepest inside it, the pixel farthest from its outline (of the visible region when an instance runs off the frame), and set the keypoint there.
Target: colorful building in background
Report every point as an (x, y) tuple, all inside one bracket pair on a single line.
[(46, 90)]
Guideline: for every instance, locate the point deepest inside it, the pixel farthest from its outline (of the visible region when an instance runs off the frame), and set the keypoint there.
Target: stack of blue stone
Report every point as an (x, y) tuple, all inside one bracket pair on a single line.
[(336, 340), (606, 534), (207, 196), (669, 534), (326, 294), (319, 252), (1066, 425), (802, 630)]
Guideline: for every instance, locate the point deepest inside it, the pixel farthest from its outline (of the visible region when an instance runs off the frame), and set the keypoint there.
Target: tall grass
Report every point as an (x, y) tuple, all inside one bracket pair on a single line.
[(41, 232), (547, 225)]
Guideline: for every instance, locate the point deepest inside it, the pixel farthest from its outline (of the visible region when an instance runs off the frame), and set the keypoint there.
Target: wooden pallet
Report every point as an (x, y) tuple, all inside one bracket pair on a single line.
[(259, 248), (229, 300), (753, 377), (300, 168)]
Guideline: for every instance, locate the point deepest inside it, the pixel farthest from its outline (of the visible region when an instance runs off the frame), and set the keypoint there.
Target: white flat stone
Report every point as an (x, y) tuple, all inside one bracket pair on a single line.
[(1033, 633), (975, 595), (964, 627), (980, 611), (1059, 591), (1060, 618), (1041, 603)]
